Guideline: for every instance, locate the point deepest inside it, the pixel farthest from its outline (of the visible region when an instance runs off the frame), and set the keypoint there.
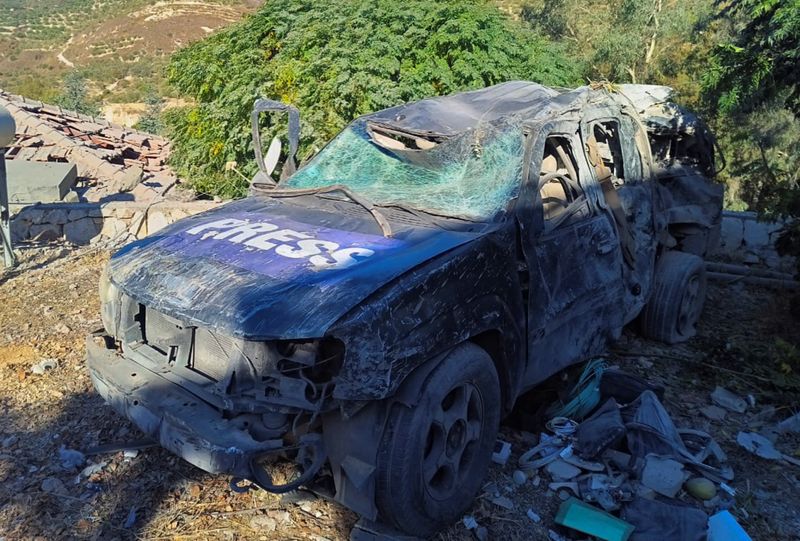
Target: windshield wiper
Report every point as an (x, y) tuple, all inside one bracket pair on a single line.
[(381, 220)]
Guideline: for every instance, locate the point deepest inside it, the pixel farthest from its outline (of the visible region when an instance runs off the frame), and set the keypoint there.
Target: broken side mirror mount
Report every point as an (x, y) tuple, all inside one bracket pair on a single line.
[(269, 162)]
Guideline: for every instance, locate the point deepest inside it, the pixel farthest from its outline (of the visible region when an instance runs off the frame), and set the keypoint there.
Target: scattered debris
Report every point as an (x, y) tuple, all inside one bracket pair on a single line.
[(51, 485), (758, 445), (658, 520), (504, 502), (701, 488), (70, 458), (130, 454), (584, 396), (728, 400), (585, 518), (469, 522), (792, 424), (130, 520), (502, 452), (533, 516), (43, 366), (560, 469), (664, 475), (723, 527), (520, 477), (93, 469), (263, 523), (713, 413), (602, 430)]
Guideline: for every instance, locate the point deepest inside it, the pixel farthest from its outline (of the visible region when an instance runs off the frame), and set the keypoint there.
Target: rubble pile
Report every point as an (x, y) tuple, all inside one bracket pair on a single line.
[(621, 470), (110, 159)]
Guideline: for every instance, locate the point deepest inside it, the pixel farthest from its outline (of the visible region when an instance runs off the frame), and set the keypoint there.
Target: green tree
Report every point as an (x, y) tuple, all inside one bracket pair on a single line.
[(75, 96), (632, 41), (151, 121), (760, 64), (752, 82), (335, 60)]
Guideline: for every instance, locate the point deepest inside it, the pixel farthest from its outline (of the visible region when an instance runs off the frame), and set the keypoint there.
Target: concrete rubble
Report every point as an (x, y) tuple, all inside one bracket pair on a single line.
[(111, 159), (120, 186)]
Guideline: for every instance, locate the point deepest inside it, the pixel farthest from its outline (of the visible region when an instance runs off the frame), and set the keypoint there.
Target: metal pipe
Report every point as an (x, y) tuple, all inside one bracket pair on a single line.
[(8, 130), (755, 280), (747, 271)]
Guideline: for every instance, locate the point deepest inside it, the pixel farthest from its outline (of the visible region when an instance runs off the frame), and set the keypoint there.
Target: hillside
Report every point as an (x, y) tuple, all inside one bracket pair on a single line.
[(121, 46)]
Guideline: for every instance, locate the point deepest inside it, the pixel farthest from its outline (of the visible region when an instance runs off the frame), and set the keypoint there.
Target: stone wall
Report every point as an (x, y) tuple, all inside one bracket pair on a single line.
[(746, 239), (88, 223)]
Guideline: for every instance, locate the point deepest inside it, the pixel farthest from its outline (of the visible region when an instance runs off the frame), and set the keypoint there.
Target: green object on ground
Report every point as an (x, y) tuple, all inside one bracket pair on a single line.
[(701, 488), (585, 518)]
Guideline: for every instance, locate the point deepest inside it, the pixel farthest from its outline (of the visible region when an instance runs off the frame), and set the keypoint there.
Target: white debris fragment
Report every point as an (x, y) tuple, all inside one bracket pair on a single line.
[(43, 366), (469, 522), (501, 455), (533, 516)]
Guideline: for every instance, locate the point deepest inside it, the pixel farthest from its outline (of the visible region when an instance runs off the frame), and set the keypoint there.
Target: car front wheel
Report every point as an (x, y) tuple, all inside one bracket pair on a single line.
[(435, 455)]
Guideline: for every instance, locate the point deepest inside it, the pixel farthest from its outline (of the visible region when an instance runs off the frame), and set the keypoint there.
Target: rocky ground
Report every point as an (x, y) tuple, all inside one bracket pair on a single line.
[(50, 303)]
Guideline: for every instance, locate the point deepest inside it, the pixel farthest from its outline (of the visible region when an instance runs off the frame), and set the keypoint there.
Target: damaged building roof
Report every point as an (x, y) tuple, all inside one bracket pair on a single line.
[(110, 159)]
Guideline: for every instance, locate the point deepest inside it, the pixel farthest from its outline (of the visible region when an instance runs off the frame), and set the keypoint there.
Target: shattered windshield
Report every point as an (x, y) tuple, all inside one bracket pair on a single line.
[(471, 175)]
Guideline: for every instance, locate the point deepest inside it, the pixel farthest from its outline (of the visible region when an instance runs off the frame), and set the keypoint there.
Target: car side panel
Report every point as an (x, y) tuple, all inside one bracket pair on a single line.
[(463, 293)]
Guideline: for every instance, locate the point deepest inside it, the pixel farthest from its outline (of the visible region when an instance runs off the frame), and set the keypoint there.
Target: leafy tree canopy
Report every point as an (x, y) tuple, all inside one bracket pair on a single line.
[(336, 60), (760, 64)]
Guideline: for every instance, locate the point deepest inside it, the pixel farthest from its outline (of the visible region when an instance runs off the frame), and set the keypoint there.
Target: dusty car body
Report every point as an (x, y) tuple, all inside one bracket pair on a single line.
[(475, 243)]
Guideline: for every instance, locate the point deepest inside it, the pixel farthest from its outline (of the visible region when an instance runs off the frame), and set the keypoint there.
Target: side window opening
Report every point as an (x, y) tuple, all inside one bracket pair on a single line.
[(558, 180), (607, 136)]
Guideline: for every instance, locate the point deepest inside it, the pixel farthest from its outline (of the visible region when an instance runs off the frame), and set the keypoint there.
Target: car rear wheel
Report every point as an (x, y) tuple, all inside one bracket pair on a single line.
[(679, 292), (435, 455)]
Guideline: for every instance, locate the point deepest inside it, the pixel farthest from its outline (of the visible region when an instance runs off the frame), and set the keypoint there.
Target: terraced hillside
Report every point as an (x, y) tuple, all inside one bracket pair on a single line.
[(120, 45)]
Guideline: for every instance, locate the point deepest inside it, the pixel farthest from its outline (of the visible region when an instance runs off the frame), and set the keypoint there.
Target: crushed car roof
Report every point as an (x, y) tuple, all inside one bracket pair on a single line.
[(456, 113), (447, 116)]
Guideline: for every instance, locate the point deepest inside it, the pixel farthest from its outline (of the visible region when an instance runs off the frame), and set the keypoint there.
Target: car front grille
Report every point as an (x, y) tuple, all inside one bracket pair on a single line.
[(200, 350)]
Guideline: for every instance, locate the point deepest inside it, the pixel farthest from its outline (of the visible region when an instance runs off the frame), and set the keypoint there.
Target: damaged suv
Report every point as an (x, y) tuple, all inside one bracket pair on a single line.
[(375, 314)]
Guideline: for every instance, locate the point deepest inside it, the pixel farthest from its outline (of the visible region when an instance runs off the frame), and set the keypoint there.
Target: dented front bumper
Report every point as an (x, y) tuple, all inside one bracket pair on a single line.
[(177, 419)]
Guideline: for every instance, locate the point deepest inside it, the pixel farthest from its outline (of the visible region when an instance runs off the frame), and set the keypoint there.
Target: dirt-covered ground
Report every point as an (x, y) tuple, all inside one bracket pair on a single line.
[(50, 304)]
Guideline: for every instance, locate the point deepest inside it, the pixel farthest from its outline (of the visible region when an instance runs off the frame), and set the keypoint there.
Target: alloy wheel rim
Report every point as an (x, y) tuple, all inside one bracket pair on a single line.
[(452, 441)]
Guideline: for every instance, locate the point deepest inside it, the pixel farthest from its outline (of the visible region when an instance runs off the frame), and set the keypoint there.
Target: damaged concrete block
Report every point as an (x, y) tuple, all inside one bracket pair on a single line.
[(55, 216), (81, 231), (756, 234), (20, 230), (560, 469), (113, 227), (34, 215), (138, 227), (663, 475), (732, 234), (156, 221), (77, 214), (44, 232)]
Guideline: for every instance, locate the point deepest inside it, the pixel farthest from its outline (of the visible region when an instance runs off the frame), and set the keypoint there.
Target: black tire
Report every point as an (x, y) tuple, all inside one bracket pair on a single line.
[(675, 305), (434, 456)]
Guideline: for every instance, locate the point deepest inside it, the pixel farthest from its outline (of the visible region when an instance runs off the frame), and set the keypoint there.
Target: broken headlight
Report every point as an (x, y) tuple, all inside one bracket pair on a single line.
[(109, 302)]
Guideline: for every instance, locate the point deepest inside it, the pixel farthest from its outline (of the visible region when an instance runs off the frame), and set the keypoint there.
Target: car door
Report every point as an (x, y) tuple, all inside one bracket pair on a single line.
[(572, 257), (612, 145)]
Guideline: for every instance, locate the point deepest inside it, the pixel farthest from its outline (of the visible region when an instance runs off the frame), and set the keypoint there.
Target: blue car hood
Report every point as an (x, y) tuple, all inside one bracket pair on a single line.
[(264, 269)]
